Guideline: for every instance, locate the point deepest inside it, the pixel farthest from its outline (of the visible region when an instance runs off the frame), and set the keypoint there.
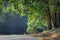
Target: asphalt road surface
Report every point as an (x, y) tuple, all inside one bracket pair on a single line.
[(17, 37)]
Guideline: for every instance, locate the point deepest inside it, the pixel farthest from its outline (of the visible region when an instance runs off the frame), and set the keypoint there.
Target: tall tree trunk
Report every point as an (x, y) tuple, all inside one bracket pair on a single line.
[(54, 19), (57, 20), (58, 5), (56, 16), (48, 18)]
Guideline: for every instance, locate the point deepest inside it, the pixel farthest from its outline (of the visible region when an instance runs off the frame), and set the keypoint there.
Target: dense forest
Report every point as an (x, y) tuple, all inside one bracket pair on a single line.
[(41, 13)]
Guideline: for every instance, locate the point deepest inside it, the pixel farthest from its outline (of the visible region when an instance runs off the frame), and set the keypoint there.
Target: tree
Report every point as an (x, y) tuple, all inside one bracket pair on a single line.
[(55, 16), (38, 11)]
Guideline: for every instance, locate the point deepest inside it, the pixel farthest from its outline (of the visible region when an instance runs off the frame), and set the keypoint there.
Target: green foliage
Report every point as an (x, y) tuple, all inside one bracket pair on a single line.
[(36, 10)]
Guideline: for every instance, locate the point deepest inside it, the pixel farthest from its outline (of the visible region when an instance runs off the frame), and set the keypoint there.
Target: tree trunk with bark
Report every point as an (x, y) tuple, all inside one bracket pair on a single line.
[(48, 18), (56, 16)]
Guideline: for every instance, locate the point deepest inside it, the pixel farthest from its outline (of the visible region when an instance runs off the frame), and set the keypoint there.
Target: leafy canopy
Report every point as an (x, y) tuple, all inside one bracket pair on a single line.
[(35, 9)]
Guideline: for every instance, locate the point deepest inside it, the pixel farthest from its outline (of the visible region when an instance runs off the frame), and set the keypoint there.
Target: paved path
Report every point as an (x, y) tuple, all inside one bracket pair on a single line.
[(17, 37)]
